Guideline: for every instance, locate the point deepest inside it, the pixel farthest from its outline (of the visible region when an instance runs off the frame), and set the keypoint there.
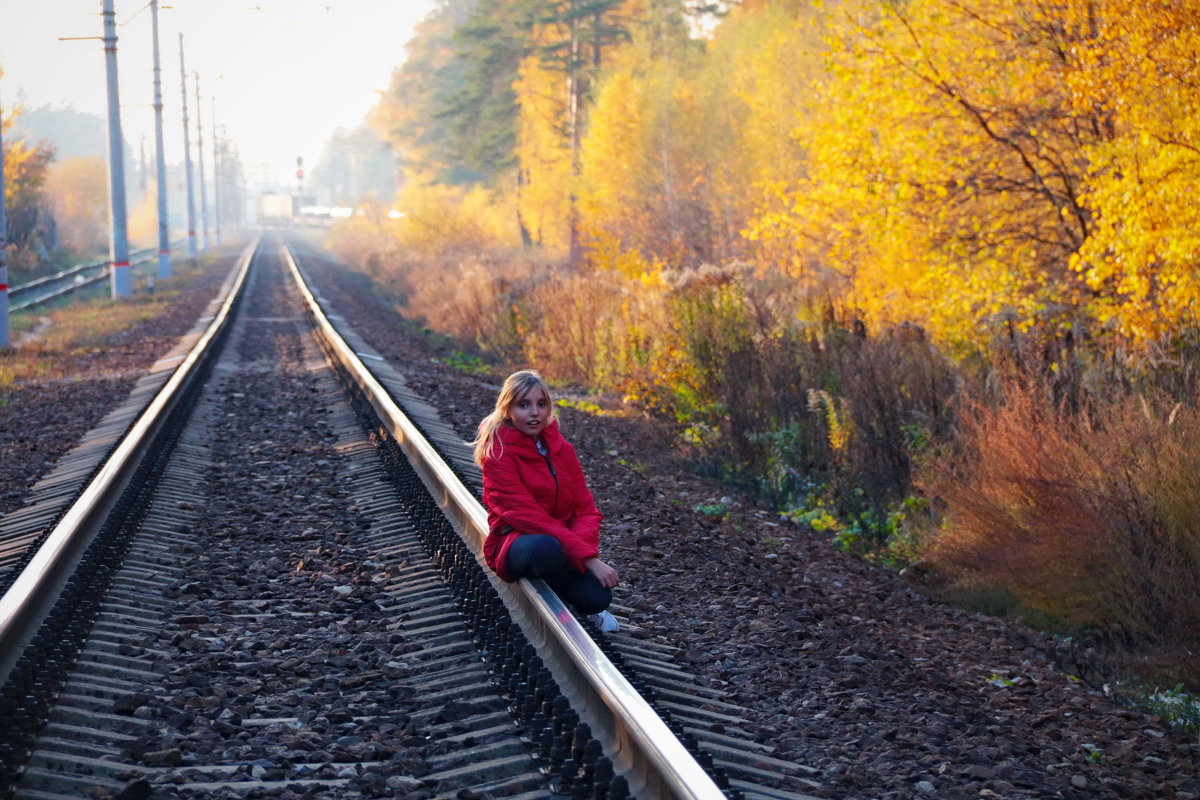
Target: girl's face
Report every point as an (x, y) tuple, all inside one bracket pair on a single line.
[(530, 412)]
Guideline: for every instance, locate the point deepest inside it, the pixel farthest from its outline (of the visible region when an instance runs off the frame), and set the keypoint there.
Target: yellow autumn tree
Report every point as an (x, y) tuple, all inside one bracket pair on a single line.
[(682, 131), (756, 83), (543, 149), (143, 220), (943, 166), (570, 46), (1138, 72), (640, 177), (77, 189), (25, 168), (612, 162)]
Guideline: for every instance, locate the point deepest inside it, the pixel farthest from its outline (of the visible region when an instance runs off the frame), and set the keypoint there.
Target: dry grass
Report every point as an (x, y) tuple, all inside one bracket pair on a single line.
[(79, 325), (1090, 518), (72, 329), (591, 329), (92, 324), (472, 298)]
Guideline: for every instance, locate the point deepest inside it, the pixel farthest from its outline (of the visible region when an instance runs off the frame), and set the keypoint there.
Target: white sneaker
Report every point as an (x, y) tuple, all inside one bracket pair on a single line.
[(605, 621)]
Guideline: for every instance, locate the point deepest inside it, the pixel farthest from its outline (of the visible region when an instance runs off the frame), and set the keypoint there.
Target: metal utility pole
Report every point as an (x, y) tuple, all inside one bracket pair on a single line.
[(187, 158), (122, 284), (164, 233), (234, 190), (216, 174), (3, 245), (200, 165)]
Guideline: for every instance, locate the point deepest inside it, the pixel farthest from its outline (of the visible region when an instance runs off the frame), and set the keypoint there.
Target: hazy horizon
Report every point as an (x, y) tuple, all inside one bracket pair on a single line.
[(284, 76)]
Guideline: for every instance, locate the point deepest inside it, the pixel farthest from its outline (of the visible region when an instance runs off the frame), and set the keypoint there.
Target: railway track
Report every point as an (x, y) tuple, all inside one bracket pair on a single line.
[(260, 578), (51, 287)]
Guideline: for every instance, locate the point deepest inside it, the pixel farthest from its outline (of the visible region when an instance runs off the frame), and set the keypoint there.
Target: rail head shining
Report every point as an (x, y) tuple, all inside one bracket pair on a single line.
[(26, 602), (639, 743)]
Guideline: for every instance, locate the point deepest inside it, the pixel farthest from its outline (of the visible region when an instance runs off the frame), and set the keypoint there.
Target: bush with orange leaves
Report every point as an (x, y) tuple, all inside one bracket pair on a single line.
[(1089, 517)]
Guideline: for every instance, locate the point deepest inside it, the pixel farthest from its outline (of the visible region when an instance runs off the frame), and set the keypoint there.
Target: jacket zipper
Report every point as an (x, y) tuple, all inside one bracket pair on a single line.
[(544, 452)]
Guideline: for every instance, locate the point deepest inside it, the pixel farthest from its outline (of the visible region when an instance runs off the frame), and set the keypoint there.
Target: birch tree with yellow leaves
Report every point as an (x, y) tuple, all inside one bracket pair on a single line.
[(1138, 72), (944, 161), (980, 167)]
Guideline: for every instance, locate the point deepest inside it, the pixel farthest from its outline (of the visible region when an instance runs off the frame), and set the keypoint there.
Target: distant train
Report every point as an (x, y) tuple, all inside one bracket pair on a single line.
[(281, 209), (276, 209)]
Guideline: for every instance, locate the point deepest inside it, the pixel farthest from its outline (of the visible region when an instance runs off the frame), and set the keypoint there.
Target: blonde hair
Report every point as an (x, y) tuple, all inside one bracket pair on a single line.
[(515, 387)]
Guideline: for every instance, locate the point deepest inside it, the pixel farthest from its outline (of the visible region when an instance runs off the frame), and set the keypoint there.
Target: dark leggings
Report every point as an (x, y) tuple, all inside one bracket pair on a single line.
[(536, 555)]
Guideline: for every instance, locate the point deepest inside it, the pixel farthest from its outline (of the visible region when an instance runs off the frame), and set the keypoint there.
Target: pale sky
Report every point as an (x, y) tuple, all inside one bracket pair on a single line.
[(285, 73)]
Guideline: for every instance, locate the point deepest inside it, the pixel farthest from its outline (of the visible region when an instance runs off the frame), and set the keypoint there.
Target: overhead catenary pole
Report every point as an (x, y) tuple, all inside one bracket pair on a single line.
[(3, 245), (217, 183), (164, 233), (231, 158), (187, 158), (122, 282), (200, 166)]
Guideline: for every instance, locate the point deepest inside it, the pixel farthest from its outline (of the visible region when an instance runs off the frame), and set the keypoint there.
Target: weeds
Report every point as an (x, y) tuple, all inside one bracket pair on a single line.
[(466, 363), (1177, 707), (82, 323), (714, 512), (586, 406), (638, 467)]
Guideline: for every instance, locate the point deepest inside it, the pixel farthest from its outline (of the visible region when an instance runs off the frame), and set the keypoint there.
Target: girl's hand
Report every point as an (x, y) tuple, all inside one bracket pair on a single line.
[(604, 573)]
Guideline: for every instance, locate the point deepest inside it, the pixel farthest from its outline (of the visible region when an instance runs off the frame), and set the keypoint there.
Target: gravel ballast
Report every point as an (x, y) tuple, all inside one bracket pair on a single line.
[(41, 419)]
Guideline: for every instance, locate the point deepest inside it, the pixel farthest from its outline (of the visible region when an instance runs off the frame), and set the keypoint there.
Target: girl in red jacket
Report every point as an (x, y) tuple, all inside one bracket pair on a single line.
[(542, 521)]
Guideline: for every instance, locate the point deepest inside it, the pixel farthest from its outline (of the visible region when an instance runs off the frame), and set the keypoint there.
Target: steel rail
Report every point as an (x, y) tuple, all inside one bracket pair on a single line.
[(58, 276), (79, 283), (29, 598), (640, 745), (68, 272), (137, 257)]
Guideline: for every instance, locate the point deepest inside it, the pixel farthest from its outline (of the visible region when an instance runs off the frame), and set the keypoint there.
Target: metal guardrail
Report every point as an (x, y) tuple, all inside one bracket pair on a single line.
[(639, 744), (31, 595), (81, 279), (58, 276)]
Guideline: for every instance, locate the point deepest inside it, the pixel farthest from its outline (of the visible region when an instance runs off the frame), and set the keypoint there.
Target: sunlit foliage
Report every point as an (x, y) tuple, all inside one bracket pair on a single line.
[(1139, 73), (411, 114), (30, 228), (543, 152), (77, 190), (943, 164), (971, 166)]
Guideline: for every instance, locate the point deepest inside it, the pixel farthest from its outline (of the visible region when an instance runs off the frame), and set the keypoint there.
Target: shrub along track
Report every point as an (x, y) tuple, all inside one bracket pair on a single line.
[(846, 667)]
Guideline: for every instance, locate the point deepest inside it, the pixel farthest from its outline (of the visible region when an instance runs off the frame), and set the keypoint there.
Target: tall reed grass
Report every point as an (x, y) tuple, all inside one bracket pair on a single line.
[(1088, 517)]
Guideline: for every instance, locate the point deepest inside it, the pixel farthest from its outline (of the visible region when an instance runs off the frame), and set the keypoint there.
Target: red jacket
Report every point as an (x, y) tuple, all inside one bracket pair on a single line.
[(524, 495)]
